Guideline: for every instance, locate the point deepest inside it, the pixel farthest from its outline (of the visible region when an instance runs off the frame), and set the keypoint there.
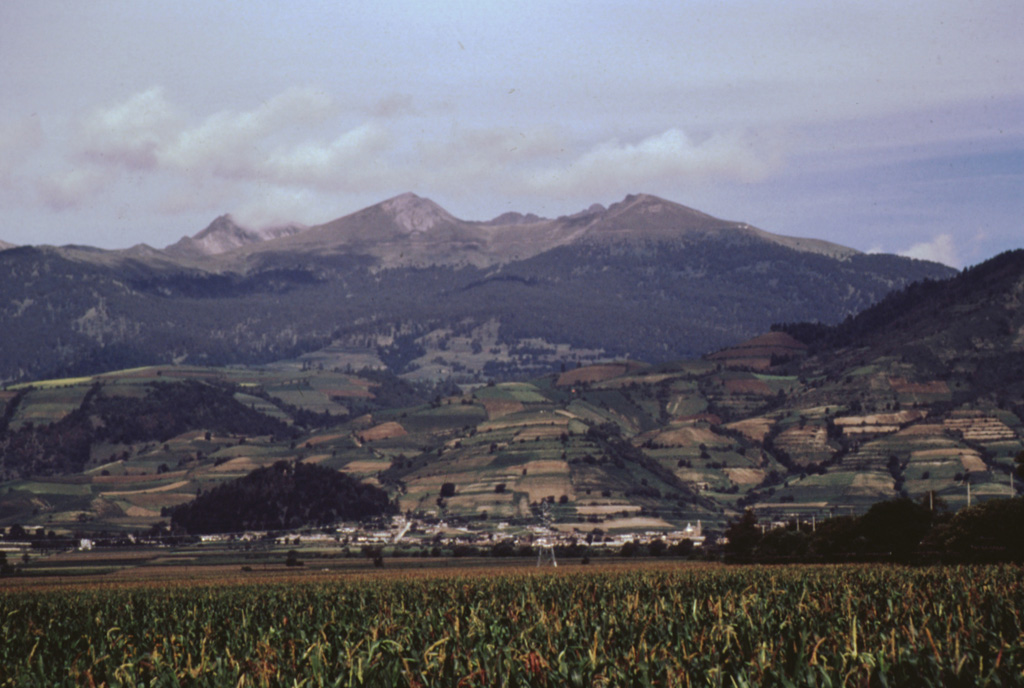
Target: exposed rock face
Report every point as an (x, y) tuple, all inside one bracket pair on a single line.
[(415, 214), (408, 230), (224, 235)]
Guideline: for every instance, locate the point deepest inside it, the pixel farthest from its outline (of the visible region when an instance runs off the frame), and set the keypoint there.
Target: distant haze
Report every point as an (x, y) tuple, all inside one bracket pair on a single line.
[(894, 127)]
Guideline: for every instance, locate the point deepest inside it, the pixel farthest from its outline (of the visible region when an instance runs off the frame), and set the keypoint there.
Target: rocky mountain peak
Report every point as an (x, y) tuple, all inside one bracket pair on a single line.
[(222, 225), (415, 214), (225, 234)]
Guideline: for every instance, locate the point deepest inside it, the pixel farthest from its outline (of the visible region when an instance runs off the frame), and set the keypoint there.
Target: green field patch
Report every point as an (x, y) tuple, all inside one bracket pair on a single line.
[(586, 411), (525, 393), (308, 399), (494, 392), (50, 488), (776, 378), (264, 406), (48, 405), (49, 384)]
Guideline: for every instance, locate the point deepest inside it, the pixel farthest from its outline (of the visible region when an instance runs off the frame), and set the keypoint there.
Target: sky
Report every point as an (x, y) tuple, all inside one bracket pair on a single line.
[(883, 126)]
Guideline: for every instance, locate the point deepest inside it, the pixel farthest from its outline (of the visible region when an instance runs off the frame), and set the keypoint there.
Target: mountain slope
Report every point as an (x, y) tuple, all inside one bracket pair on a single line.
[(918, 396), (406, 285)]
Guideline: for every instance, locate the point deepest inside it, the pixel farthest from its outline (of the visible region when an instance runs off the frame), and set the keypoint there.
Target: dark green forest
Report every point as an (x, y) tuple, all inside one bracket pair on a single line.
[(283, 496), (900, 531)]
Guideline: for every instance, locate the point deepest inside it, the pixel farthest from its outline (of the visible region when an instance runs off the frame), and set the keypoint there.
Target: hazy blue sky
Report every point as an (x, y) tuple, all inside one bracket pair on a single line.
[(895, 126)]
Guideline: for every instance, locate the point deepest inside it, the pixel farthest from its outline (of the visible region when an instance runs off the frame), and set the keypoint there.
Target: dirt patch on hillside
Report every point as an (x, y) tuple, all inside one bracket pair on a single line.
[(321, 439), (745, 476), (685, 437), (365, 466), (382, 432), (754, 428), (163, 488), (141, 512), (594, 373), (498, 408), (750, 386), (156, 501), (758, 352), (933, 388), (241, 464)]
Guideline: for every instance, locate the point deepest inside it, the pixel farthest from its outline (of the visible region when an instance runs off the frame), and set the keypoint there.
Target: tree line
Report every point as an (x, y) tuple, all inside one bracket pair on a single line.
[(899, 531)]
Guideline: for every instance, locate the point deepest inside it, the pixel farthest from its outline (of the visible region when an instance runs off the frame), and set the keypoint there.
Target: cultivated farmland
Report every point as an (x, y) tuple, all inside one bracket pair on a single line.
[(659, 625)]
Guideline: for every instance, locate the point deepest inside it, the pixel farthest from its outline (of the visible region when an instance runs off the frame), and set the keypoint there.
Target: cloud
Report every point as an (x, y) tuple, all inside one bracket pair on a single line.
[(234, 144), (300, 144), (68, 190), (131, 133), (19, 139), (470, 160), (940, 249), (669, 156), (277, 207), (356, 158)]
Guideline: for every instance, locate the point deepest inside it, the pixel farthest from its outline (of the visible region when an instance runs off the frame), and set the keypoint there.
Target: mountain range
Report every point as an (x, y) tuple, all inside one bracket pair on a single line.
[(404, 285)]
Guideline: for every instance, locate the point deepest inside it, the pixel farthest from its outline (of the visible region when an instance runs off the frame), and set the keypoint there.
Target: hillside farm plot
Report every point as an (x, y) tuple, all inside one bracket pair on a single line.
[(836, 487), (810, 443), (48, 404), (523, 392), (441, 418), (262, 405)]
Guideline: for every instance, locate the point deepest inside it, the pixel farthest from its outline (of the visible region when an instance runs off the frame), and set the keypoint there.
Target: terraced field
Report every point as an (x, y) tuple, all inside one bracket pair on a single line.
[(672, 444)]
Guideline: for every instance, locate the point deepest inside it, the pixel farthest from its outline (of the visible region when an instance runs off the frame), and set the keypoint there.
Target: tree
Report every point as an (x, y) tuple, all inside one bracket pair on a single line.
[(447, 490), (743, 535), (896, 527), (657, 547), (987, 532), (1020, 464)]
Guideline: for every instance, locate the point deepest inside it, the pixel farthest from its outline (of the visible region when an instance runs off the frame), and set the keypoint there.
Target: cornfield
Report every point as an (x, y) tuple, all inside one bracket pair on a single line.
[(812, 626)]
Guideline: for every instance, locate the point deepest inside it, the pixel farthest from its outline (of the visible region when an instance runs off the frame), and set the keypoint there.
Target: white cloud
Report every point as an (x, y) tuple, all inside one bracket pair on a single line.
[(129, 134), (940, 249), (235, 144), (277, 206), (356, 158), (69, 190), (670, 156)]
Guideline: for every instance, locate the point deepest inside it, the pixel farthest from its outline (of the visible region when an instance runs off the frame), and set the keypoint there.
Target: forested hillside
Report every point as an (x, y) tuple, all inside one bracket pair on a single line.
[(280, 497)]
